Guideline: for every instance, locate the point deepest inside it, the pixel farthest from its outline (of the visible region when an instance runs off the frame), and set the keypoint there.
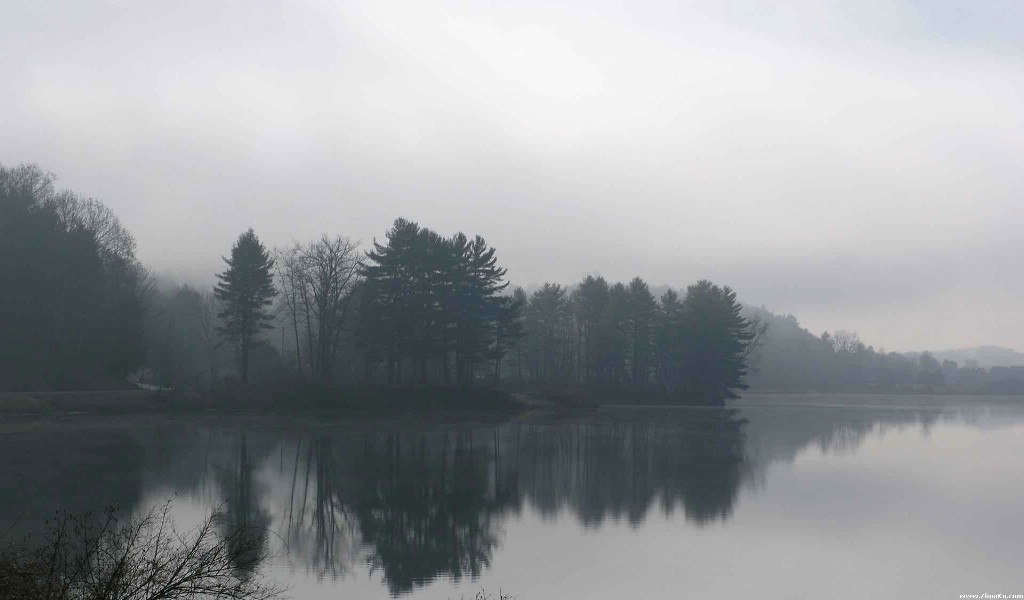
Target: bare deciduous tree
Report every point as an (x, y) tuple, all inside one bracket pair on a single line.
[(316, 285), (330, 268), (289, 275), (844, 341), (208, 331)]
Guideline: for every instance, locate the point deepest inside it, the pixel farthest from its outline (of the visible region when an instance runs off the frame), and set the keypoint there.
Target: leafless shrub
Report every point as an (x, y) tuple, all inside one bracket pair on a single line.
[(90, 557)]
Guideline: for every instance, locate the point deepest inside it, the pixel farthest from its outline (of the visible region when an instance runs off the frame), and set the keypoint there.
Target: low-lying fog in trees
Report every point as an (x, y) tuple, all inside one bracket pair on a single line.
[(79, 312)]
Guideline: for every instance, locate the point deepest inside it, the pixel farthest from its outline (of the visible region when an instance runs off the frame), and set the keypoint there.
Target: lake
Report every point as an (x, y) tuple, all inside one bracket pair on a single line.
[(774, 496)]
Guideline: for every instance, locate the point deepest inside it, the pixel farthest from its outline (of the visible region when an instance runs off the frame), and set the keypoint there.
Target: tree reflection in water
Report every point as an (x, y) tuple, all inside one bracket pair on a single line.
[(417, 502), (243, 520), (428, 503), (611, 466), (426, 506)]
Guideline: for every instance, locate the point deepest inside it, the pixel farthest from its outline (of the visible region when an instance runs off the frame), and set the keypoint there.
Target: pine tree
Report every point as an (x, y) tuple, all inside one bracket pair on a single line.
[(479, 302), (508, 329), (391, 305), (547, 319), (716, 344), (615, 329), (589, 300), (428, 298), (246, 289), (668, 341), (642, 311)]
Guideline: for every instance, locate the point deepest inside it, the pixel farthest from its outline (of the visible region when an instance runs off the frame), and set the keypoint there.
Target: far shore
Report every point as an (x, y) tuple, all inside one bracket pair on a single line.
[(276, 400), (313, 399)]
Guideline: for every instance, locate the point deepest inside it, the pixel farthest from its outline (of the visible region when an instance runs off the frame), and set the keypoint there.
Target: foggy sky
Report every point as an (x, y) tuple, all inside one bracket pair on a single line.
[(855, 163)]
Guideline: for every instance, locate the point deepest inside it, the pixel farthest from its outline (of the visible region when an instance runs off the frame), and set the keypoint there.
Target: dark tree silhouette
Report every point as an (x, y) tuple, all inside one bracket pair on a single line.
[(72, 295), (615, 339), (642, 312), (508, 329), (589, 301), (432, 303), (717, 341), (547, 324), (246, 289), (317, 281)]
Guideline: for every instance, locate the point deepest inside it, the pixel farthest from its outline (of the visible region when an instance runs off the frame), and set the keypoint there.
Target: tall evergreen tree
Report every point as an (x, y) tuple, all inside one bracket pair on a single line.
[(642, 311), (716, 342), (508, 329), (428, 298), (668, 341), (522, 301), (547, 322), (388, 303), (615, 329), (589, 300), (246, 289), (480, 305)]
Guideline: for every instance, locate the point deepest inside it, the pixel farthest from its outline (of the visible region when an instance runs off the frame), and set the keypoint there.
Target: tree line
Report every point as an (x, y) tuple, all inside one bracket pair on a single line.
[(619, 336), (422, 308), (794, 359), (415, 308)]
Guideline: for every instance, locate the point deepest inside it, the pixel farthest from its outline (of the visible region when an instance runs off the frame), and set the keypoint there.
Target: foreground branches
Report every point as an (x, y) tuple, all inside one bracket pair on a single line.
[(84, 557)]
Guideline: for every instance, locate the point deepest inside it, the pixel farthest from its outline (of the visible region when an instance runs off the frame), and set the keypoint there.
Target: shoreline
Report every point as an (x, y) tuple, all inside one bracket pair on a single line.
[(384, 401), (84, 401), (275, 401)]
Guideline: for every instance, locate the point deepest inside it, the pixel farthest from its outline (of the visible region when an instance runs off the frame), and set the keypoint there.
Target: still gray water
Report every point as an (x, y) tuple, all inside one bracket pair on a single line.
[(772, 497)]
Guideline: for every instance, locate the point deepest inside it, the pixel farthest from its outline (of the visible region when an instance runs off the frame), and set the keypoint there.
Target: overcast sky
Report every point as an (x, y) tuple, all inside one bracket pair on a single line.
[(858, 164)]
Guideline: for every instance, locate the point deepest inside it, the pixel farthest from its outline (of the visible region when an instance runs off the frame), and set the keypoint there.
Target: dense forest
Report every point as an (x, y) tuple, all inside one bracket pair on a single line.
[(414, 309), (72, 294)]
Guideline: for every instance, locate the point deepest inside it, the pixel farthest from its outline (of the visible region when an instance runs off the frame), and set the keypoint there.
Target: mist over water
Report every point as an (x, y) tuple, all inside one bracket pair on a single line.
[(864, 494), (558, 299)]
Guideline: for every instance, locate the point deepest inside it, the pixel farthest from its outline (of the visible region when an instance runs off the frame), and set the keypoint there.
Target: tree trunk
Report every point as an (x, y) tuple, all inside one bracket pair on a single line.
[(245, 359), (213, 367), (295, 326)]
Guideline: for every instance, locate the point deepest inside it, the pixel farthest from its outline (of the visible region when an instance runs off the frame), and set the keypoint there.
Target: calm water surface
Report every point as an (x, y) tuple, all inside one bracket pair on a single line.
[(773, 497)]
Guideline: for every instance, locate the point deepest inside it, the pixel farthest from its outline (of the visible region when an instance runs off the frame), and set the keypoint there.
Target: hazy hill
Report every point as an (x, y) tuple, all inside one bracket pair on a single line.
[(985, 356)]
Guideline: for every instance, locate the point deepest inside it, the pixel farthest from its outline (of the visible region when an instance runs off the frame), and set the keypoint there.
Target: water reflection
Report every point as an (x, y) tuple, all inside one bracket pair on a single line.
[(243, 520), (617, 465), (415, 502), (425, 505)]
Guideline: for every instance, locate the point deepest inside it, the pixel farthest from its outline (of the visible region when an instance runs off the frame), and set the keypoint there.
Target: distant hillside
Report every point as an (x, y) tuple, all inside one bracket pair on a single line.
[(793, 359), (985, 356)]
